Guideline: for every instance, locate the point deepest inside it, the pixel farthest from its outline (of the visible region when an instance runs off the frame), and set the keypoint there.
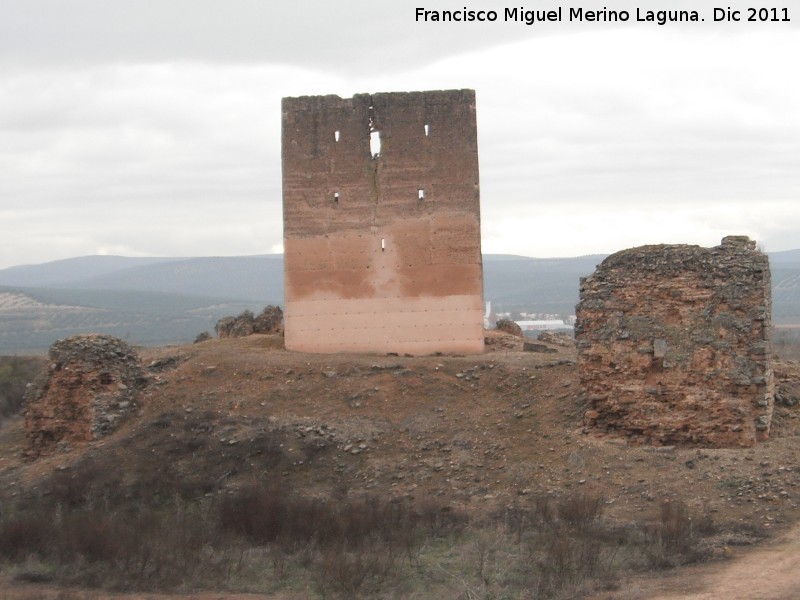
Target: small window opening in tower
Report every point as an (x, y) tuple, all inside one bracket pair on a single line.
[(427, 130), (336, 196), (383, 244), (336, 135), (421, 194), (375, 143)]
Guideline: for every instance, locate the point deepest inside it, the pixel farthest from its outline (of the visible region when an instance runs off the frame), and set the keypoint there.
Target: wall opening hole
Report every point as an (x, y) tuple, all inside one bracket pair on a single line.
[(375, 143), (421, 194), (383, 244), (336, 196), (336, 135), (427, 130)]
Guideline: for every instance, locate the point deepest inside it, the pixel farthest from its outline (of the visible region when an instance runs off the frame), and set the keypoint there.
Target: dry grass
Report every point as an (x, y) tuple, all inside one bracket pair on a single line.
[(265, 537)]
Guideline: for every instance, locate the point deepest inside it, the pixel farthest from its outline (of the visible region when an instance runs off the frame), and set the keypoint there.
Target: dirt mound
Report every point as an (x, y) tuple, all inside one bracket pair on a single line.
[(787, 383), (91, 385), (556, 339), (488, 438), (495, 340)]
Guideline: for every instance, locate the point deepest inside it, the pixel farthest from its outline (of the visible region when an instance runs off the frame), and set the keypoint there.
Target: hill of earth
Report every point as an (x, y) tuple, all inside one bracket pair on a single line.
[(156, 301), (251, 471)]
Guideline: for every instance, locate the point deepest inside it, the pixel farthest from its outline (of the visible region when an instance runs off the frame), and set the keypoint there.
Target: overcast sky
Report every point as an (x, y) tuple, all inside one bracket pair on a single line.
[(152, 127)]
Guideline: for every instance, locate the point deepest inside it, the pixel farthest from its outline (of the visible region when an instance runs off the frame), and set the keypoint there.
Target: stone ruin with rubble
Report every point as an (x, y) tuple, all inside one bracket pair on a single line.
[(381, 208), (91, 387), (674, 345)]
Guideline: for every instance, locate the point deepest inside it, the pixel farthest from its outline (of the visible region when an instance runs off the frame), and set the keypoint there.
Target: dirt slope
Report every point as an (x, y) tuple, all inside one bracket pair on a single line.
[(769, 572), (476, 431)]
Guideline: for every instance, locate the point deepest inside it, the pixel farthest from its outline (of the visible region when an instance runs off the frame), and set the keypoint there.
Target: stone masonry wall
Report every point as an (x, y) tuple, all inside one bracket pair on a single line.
[(382, 247), (91, 387), (674, 345)]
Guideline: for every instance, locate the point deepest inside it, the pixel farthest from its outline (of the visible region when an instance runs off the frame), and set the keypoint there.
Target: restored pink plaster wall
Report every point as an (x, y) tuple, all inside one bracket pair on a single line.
[(371, 266)]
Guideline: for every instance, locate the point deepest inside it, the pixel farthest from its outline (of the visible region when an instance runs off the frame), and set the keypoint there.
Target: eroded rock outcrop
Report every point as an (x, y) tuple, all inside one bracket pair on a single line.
[(674, 345), (269, 321), (509, 326), (91, 386)]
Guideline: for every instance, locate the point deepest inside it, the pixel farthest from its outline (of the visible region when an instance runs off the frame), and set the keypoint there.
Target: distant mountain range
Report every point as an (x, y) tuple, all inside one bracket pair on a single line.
[(158, 301)]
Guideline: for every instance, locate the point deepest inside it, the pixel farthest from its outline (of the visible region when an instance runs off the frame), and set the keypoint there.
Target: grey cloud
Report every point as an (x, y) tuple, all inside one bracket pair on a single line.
[(154, 127), (352, 36), (356, 34)]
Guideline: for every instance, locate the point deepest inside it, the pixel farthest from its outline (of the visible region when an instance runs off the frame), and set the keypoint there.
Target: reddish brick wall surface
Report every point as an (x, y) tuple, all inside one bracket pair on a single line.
[(382, 252), (674, 345)]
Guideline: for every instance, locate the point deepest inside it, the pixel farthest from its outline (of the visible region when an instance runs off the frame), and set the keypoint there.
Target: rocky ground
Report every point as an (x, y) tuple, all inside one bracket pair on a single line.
[(479, 432)]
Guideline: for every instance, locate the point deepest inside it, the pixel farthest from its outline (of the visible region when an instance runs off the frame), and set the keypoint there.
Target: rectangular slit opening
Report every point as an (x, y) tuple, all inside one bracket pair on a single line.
[(427, 130), (336, 135), (375, 143), (336, 196), (421, 194), (383, 245)]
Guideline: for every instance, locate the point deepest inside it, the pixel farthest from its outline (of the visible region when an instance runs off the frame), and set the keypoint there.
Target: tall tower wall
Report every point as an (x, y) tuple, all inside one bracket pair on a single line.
[(381, 208)]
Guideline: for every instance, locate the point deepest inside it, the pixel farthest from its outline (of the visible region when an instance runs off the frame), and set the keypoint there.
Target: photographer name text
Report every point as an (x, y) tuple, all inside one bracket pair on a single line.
[(580, 15)]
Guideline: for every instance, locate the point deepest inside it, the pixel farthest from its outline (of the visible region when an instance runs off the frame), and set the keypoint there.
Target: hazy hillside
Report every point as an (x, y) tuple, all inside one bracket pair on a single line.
[(787, 257), (541, 284), (155, 301), (256, 278), (31, 319), (785, 268), (70, 270)]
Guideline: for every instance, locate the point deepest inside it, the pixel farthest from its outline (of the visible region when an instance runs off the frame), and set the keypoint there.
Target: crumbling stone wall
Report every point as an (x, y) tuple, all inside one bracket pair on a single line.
[(382, 245), (91, 386), (270, 321), (674, 344)]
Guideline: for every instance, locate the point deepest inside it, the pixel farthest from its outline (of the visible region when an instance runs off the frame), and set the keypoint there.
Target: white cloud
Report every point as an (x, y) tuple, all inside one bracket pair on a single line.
[(665, 144), (140, 157)]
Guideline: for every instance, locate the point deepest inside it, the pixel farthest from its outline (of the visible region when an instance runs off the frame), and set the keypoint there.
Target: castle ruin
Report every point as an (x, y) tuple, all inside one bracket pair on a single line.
[(91, 387), (381, 210), (674, 345)]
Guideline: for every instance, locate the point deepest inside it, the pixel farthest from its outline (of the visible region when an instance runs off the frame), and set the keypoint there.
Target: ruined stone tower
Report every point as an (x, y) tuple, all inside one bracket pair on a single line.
[(674, 344), (92, 385), (382, 223)]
